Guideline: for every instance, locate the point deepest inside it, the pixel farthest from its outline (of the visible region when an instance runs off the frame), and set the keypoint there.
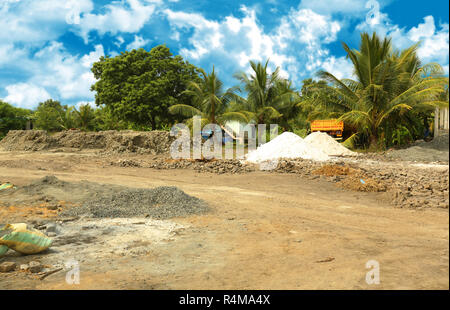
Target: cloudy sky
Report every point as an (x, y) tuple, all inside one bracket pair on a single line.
[(48, 46)]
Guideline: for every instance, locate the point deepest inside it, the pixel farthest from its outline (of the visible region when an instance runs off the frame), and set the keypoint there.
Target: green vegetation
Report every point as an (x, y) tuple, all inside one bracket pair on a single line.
[(209, 101), (12, 118), (268, 95), (390, 101), (138, 87), (390, 88)]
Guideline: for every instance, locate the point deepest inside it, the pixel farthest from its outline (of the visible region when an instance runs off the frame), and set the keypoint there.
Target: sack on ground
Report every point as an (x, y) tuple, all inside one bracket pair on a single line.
[(23, 239), (3, 250)]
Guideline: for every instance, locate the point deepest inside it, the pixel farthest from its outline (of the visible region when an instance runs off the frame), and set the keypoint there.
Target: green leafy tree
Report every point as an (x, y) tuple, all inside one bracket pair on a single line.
[(12, 118), (388, 84), (139, 86), (50, 115)]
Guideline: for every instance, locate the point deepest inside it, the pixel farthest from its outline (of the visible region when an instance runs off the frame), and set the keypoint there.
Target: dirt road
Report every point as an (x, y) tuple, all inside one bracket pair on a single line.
[(266, 231)]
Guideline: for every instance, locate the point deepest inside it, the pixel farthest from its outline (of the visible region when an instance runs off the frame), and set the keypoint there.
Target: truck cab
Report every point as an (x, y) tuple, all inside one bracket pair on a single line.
[(333, 127)]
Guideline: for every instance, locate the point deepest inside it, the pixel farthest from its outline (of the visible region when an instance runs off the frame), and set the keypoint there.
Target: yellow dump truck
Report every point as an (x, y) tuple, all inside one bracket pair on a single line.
[(333, 127)]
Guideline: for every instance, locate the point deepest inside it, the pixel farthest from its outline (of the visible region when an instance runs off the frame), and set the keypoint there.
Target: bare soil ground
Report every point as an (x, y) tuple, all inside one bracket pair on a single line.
[(266, 230)]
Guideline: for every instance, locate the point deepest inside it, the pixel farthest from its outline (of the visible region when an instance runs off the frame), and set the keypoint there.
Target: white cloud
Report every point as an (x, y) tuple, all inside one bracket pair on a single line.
[(69, 75), (353, 7), (25, 95), (117, 18), (90, 103), (10, 54), (306, 26), (57, 74), (434, 41), (236, 41), (119, 41), (30, 21), (137, 43), (340, 67), (422, 30)]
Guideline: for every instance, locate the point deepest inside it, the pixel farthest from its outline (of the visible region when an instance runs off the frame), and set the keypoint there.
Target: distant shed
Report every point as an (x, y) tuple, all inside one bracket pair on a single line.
[(441, 120)]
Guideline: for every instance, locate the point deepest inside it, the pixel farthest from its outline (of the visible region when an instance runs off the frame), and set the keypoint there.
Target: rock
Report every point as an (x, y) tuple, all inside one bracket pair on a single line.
[(53, 207), (34, 267), (51, 234), (24, 267), (52, 227), (7, 266)]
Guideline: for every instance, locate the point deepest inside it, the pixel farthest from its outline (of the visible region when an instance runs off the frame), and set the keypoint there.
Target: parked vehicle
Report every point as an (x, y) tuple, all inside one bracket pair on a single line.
[(332, 127)]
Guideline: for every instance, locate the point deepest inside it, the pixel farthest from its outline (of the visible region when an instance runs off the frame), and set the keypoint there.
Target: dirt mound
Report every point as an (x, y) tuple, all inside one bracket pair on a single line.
[(333, 170), (151, 142), (362, 184), (351, 178), (26, 140), (104, 200)]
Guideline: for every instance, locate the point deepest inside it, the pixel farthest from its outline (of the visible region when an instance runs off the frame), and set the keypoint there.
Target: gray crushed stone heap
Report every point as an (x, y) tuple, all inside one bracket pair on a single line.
[(106, 200), (434, 151), (162, 202)]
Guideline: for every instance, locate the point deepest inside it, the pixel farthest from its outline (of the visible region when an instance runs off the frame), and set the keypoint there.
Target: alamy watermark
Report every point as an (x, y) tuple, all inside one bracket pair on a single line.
[(373, 275), (73, 275), (220, 142)]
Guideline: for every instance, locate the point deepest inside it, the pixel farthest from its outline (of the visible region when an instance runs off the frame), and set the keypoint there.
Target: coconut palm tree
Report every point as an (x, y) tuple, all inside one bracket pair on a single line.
[(210, 101), (266, 93), (287, 103), (85, 116), (388, 83), (66, 118)]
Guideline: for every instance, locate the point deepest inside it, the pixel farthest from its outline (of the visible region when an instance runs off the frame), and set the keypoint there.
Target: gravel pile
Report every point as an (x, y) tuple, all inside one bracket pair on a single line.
[(436, 150), (105, 200), (162, 202), (439, 143)]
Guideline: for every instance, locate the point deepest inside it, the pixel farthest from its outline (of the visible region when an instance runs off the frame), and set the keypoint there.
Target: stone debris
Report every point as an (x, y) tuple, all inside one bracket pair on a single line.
[(409, 186), (34, 267), (7, 266)]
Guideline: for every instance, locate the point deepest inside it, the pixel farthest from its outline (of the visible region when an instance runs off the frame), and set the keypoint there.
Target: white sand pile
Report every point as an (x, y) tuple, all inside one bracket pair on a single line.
[(286, 145), (325, 143)]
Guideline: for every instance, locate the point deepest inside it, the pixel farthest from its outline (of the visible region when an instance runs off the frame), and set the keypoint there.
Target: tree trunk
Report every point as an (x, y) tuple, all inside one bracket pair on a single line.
[(152, 122), (373, 142), (213, 113)]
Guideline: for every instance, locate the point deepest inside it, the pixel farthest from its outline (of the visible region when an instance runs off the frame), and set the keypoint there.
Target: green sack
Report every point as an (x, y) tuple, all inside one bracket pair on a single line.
[(22, 239), (3, 250)]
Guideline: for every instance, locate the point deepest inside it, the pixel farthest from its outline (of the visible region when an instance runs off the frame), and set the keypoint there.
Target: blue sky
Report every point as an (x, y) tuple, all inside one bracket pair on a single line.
[(48, 46)]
